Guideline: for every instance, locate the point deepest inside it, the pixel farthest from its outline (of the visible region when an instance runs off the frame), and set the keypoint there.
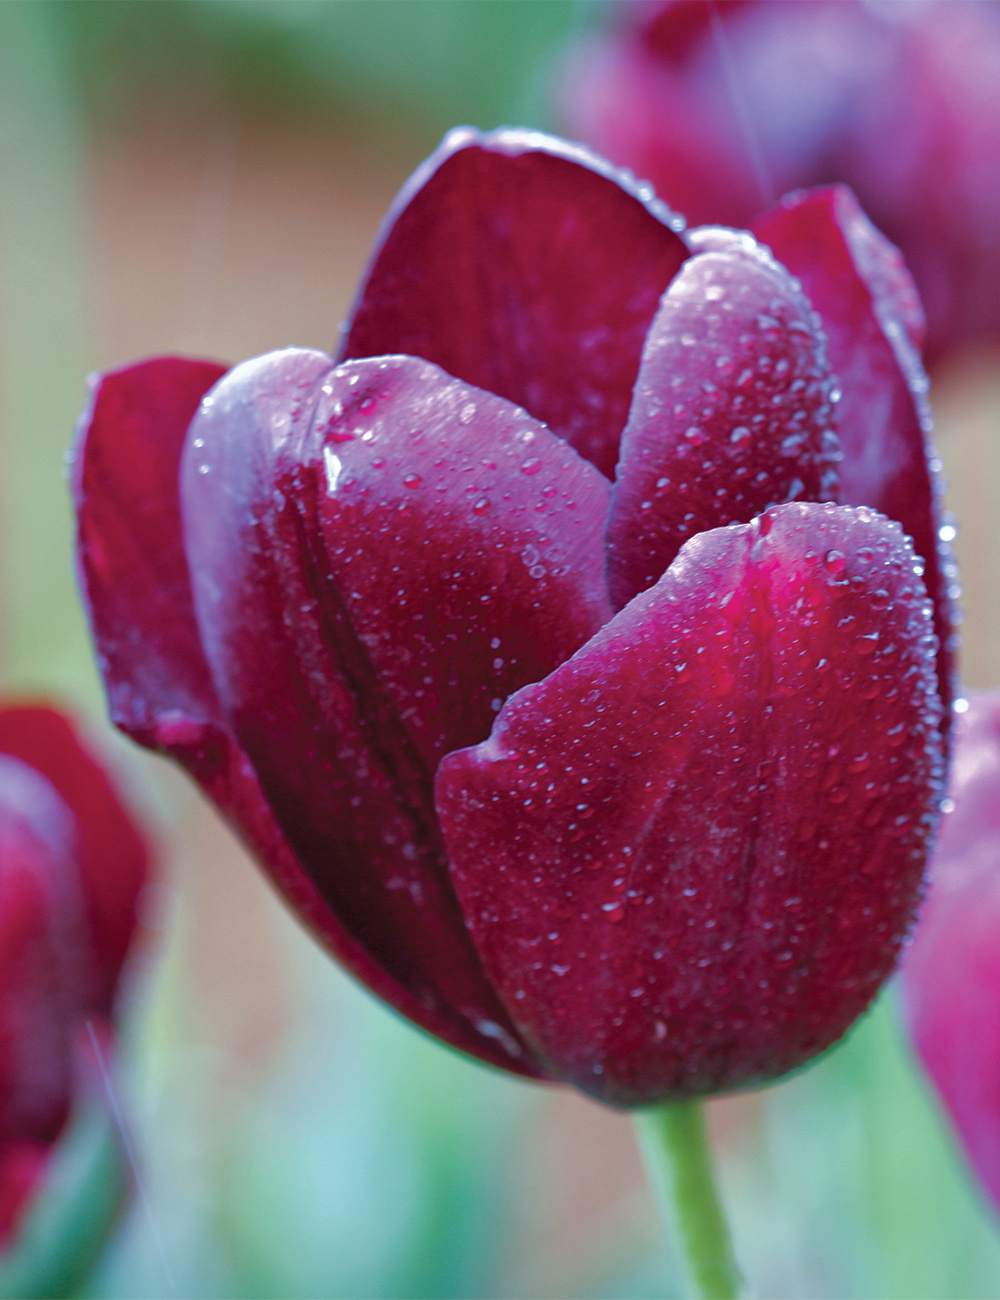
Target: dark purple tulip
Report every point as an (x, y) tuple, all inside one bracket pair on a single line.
[(71, 866), (901, 102), (951, 972), (369, 603)]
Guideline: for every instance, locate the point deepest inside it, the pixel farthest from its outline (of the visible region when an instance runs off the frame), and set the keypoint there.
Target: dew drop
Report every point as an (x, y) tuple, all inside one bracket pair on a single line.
[(835, 561)]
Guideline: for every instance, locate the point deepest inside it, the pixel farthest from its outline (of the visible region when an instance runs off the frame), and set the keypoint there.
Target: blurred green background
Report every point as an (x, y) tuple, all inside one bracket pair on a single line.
[(207, 177)]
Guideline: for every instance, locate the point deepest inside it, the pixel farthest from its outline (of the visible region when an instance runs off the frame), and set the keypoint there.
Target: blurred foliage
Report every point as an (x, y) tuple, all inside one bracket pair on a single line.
[(429, 63), (68, 1225)]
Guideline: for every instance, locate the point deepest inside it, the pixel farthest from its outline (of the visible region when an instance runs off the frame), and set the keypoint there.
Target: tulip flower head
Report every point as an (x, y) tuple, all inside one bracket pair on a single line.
[(71, 867), (559, 646), (720, 101)]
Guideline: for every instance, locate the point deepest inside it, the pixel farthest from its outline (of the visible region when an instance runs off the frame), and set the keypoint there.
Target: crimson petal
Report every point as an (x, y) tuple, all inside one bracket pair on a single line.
[(110, 853), (45, 972), (689, 856), (132, 566), (731, 413), (137, 586), (528, 267), (381, 554), (856, 281), (951, 972)]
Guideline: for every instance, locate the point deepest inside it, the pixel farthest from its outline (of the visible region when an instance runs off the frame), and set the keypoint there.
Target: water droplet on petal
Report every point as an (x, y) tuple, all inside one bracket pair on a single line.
[(835, 561)]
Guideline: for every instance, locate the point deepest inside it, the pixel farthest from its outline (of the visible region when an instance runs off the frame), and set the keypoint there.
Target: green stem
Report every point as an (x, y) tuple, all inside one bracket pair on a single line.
[(674, 1146), (70, 1220)]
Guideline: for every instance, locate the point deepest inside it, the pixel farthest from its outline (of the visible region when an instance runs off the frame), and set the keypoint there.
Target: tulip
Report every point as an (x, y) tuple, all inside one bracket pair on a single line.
[(71, 866), (719, 102), (951, 971), (624, 784)]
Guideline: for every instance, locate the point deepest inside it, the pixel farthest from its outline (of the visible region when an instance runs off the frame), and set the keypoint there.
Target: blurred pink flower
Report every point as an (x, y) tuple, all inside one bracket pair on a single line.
[(899, 100), (951, 971), (71, 866)]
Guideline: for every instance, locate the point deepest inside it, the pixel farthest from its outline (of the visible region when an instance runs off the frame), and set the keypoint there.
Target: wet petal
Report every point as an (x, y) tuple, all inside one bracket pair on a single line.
[(109, 853), (528, 267), (853, 277), (689, 856), (134, 572), (137, 585), (731, 413), (381, 555), (951, 971)]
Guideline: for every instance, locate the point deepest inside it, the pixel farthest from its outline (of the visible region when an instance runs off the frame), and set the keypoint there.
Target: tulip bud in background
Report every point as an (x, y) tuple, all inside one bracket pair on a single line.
[(725, 105), (71, 867), (951, 971)]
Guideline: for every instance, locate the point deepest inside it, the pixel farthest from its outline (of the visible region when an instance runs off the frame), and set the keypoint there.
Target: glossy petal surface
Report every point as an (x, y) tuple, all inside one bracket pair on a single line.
[(951, 972), (381, 555), (851, 275), (731, 413), (137, 586), (525, 266), (689, 856), (110, 855)]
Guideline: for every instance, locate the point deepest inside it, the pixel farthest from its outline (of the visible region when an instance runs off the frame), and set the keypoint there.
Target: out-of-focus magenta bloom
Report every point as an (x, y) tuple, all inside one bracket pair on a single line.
[(71, 867), (900, 101), (951, 972), (627, 784)]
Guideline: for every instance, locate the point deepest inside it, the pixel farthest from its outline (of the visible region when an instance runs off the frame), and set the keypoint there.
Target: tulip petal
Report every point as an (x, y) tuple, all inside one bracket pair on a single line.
[(134, 573), (381, 554), (689, 856), (731, 413), (528, 267), (951, 971), (855, 279), (45, 974), (110, 852), (137, 586)]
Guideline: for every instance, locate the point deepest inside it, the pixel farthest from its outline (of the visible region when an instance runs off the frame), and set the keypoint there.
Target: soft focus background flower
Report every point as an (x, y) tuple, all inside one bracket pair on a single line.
[(950, 975), (726, 104), (209, 177), (73, 869)]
